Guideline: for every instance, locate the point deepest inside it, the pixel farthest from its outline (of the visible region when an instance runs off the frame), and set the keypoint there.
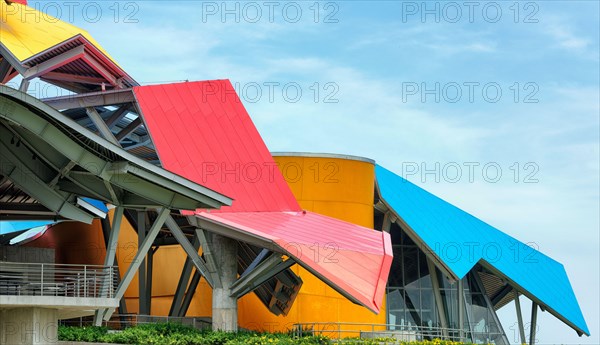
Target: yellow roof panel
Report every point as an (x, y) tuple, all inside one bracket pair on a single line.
[(26, 32)]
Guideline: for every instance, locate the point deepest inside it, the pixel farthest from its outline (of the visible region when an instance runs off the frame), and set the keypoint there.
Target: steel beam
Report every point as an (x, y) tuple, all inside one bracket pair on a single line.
[(189, 249), (101, 125), (25, 209), (29, 181), (520, 318), (163, 213), (461, 309), (185, 305), (149, 272), (184, 279), (262, 255), (5, 69), (117, 115), (91, 99), (532, 330), (72, 78), (141, 232), (101, 70), (55, 62), (109, 259), (24, 85), (501, 294), (209, 256), (132, 126), (264, 271), (438, 296), (14, 62)]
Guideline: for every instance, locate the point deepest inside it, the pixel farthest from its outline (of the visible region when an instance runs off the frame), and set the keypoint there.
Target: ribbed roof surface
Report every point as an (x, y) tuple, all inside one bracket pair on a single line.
[(201, 131), (27, 32), (349, 258), (461, 240)]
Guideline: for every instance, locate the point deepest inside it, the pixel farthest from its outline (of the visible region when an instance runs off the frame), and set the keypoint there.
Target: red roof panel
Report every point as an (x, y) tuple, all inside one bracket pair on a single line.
[(353, 260), (201, 131)]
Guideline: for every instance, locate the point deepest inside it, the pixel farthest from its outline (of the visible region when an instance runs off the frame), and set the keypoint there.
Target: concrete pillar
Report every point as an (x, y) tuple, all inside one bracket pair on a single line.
[(224, 307), (28, 326)]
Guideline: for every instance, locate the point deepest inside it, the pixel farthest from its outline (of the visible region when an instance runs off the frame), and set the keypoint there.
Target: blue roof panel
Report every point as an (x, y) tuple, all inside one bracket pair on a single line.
[(461, 240)]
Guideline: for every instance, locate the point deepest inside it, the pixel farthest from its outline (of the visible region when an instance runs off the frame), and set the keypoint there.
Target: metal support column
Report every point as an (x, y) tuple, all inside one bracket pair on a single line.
[(109, 259), (24, 85), (184, 279), (141, 231), (461, 308), (520, 318), (534, 309), (185, 305), (137, 260), (149, 266), (438, 296)]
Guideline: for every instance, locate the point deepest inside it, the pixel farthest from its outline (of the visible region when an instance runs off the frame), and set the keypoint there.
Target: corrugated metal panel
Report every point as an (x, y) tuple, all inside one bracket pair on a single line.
[(461, 240), (201, 131), (57, 50), (351, 259), (27, 32)]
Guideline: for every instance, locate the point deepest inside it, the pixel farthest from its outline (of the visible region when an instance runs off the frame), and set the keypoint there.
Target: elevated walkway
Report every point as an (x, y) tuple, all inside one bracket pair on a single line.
[(34, 296)]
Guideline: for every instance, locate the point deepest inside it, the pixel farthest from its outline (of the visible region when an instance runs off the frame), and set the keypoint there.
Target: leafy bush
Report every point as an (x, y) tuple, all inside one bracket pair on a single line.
[(176, 334)]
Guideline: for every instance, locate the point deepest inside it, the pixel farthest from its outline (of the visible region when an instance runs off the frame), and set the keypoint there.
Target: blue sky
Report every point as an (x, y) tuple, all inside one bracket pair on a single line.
[(371, 61)]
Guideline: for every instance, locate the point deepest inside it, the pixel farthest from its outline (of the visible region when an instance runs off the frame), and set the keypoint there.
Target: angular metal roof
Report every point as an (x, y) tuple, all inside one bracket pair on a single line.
[(202, 131), (27, 32), (36, 44), (349, 258), (54, 160), (459, 241)]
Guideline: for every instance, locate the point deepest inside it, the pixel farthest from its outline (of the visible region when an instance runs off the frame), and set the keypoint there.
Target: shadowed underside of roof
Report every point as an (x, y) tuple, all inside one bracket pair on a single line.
[(460, 241), (350, 258), (202, 131)]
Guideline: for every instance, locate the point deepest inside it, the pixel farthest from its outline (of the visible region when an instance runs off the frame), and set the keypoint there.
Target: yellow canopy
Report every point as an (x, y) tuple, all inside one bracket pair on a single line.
[(26, 32)]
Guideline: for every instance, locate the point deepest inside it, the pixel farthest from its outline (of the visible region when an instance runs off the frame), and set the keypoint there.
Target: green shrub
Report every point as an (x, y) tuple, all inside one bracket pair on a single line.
[(176, 334)]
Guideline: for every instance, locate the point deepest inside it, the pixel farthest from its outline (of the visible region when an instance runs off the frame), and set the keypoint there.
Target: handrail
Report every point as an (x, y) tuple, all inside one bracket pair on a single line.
[(400, 332), (59, 280), (122, 321)]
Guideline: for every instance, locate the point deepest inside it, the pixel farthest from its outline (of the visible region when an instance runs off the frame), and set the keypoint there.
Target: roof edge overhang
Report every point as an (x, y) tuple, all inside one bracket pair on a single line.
[(224, 229), (532, 297), (129, 163), (441, 265), (90, 48)]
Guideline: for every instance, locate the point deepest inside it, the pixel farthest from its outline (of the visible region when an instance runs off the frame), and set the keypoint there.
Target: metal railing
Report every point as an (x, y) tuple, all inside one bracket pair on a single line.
[(119, 322), (401, 333), (36, 279)]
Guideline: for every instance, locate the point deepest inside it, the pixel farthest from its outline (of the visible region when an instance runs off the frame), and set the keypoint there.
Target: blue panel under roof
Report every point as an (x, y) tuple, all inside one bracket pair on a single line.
[(97, 204), (7, 227), (460, 241)]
